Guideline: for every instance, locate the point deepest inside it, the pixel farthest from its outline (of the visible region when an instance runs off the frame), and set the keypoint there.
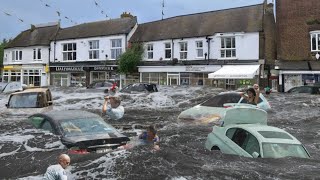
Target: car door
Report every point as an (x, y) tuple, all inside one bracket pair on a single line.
[(245, 140)]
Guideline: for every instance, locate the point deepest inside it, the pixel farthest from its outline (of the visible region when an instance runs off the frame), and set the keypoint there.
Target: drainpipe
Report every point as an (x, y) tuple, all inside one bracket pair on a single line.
[(208, 41)]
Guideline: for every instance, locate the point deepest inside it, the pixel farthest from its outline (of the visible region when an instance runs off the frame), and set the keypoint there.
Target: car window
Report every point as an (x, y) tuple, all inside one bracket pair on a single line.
[(47, 126), (36, 121), (107, 84), (277, 150), (230, 132), (245, 140), (221, 99), (98, 84), (24, 100), (306, 89)]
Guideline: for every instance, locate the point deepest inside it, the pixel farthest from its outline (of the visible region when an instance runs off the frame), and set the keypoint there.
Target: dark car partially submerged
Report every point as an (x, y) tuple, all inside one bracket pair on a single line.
[(81, 132), (140, 87), (305, 89)]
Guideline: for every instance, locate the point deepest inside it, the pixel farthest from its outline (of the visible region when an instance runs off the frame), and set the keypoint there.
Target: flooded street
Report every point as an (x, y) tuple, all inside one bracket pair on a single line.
[(26, 152)]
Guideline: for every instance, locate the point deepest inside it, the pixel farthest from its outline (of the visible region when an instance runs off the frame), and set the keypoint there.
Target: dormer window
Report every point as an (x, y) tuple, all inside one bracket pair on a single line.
[(16, 55), (228, 47), (315, 41)]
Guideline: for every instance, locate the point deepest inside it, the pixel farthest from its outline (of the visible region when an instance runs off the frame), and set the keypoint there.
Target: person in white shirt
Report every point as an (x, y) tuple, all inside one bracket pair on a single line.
[(57, 172), (115, 111)]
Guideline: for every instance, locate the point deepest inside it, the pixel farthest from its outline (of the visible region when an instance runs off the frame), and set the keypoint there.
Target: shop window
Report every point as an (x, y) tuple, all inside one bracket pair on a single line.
[(37, 54), (228, 47), (116, 48), (167, 50), (32, 77), (230, 84), (183, 50), (199, 49), (94, 49), (150, 51), (98, 76), (60, 79), (69, 51), (315, 41)]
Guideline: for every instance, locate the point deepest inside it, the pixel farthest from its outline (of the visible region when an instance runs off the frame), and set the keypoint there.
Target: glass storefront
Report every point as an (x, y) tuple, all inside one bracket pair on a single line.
[(78, 79), (99, 76), (59, 79), (32, 77), (11, 75)]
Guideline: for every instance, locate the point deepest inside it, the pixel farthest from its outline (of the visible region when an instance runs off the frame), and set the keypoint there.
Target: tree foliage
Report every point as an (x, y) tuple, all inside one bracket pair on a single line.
[(2, 46), (130, 59)]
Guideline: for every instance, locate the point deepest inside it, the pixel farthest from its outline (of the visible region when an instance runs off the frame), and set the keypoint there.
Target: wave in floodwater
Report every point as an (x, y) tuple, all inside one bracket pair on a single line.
[(26, 153)]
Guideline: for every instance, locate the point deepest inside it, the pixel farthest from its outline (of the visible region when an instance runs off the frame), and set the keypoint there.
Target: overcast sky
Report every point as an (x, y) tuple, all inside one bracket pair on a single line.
[(80, 11)]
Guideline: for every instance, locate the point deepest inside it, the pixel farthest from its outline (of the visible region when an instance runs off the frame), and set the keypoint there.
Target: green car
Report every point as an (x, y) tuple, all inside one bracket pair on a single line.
[(245, 132), (213, 110)]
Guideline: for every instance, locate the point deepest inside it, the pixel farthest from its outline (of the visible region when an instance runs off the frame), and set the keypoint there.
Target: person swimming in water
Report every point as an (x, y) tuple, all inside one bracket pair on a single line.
[(150, 137), (253, 95)]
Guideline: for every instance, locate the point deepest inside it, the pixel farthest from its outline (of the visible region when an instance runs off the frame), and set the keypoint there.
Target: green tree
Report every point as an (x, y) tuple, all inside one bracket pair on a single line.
[(129, 60), (2, 46)]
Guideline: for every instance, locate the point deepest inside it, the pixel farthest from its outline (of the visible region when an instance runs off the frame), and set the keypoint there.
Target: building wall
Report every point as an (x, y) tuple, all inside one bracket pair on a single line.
[(247, 47), (83, 48), (293, 36), (27, 55)]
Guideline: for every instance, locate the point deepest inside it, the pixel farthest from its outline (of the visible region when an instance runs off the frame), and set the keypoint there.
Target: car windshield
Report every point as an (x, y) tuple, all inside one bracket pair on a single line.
[(25, 100), (82, 127), (221, 99), (278, 150)]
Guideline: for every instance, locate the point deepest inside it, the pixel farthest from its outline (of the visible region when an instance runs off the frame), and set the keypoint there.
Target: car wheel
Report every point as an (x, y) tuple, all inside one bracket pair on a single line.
[(215, 148)]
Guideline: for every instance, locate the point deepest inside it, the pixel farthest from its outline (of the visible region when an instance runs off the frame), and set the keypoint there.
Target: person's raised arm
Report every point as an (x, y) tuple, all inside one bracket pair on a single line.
[(105, 104), (256, 98)]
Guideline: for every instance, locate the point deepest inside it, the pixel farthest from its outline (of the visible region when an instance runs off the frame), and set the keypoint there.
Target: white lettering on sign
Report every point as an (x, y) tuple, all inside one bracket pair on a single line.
[(69, 68), (103, 68), (195, 68)]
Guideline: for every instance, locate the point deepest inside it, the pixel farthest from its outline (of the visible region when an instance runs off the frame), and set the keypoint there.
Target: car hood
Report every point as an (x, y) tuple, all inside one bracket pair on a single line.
[(106, 136), (202, 115)]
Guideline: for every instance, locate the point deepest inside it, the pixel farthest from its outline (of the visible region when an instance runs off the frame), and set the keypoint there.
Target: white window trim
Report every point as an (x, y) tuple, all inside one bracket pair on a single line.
[(199, 48), (184, 51), (36, 50), (67, 60), (317, 33), (94, 50), (165, 49), (150, 51), (16, 54), (115, 48), (225, 49)]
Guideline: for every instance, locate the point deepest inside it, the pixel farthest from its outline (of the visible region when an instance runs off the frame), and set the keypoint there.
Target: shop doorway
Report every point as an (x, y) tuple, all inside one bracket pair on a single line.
[(173, 79)]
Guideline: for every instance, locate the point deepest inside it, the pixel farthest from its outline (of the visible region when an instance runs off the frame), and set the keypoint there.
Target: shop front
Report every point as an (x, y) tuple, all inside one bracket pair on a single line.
[(177, 75), (11, 73), (80, 76), (235, 76), (34, 75)]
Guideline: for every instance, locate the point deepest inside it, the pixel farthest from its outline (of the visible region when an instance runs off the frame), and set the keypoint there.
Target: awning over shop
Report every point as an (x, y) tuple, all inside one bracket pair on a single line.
[(235, 72)]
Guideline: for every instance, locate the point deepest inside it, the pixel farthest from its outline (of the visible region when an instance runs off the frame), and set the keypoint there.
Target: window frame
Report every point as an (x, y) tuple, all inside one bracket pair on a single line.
[(199, 48), (73, 51), (150, 51), (167, 49), (16, 55), (116, 49), (36, 54), (317, 38), (183, 50), (224, 49), (94, 48)]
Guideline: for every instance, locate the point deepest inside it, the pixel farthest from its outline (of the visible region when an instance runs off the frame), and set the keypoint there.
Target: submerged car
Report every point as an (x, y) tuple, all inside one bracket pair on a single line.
[(104, 86), (30, 98), (305, 89), (10, 87), (140, 87), (81, 132), (245, 133), (213, 109)]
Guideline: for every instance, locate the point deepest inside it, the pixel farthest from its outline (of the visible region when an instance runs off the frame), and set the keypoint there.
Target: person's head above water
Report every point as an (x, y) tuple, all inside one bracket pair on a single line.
[(251, 92), (64, 160)]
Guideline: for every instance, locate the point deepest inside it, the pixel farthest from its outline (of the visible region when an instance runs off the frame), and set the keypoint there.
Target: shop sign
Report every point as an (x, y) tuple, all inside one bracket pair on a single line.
[(195, 68), (72, 69), (103, 68)]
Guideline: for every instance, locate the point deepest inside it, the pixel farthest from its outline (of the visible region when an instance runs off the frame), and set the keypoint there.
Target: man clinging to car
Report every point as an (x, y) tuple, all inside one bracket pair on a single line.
[(113, 109)]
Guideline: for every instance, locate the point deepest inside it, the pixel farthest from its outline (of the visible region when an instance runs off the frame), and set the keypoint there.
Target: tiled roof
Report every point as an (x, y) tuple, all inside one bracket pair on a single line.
[(242, 19)]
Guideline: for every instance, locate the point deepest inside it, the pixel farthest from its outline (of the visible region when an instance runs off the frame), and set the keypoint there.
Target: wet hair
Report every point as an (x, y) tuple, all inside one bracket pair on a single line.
[(152, 129), (252, 91), (117, 101)]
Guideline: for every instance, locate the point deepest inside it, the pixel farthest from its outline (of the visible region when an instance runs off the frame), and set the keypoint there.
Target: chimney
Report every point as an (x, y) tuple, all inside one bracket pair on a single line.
[(33, 27), (126, 14)]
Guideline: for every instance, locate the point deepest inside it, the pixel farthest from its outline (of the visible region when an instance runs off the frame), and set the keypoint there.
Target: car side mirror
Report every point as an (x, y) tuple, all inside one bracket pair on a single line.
[(255, 155)]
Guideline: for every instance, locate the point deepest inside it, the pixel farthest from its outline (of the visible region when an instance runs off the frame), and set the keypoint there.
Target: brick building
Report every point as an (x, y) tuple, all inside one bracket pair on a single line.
[(298, 42)]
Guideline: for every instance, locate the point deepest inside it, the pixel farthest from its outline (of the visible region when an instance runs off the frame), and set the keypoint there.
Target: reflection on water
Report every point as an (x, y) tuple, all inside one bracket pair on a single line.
[(26, 153)]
